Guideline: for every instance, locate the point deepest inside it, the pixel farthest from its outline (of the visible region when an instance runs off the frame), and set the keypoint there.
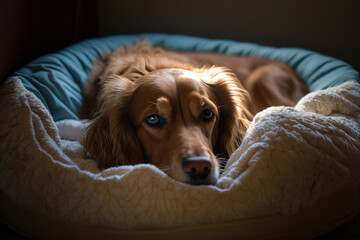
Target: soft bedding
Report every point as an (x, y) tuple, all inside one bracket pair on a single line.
[(290, 158)]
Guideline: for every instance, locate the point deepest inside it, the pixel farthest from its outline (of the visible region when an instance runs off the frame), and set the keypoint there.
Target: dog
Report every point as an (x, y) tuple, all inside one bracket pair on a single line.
[(182, 112)]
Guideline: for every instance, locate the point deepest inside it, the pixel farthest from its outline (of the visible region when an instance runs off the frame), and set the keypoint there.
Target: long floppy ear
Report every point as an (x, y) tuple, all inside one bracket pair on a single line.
[(110, 138), (232, 101), (92, 87)]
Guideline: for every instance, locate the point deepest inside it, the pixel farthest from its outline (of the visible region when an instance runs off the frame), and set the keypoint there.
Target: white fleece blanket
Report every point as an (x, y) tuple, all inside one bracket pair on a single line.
[(289, 159)]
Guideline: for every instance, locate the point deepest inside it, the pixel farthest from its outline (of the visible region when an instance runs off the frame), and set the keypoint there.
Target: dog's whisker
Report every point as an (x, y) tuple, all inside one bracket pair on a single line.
[(165, 168), (222, 162), (220, 157)]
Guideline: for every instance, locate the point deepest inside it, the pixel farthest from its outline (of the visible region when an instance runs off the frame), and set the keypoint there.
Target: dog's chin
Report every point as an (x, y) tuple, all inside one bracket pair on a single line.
[(178, 174), (210, 180)]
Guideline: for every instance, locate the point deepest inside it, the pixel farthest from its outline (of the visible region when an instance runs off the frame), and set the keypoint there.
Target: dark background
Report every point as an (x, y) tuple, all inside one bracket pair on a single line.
[(31, 28)]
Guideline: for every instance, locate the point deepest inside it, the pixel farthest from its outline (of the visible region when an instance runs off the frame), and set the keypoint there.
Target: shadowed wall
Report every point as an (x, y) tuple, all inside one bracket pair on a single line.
[(329, 27)]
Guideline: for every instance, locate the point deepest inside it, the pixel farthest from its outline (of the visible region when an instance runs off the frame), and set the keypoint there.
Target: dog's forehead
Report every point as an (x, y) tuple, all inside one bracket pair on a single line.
[(181, 79), (174, 84), (186, 75), (174, 74), (171, 82)]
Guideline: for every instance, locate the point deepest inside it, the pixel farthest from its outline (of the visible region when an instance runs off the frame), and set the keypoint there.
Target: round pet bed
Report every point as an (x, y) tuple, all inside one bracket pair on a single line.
[(294, 176)]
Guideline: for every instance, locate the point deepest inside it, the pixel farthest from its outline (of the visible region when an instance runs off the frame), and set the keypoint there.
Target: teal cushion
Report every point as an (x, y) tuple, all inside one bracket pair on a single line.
[(58, 78)]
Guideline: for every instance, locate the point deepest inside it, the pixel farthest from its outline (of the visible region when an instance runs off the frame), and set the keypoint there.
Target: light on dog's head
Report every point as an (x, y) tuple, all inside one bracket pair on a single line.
[(189, 75)]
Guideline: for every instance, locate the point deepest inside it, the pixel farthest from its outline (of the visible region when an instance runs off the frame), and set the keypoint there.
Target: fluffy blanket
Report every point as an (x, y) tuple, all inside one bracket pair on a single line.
[(289, 159)]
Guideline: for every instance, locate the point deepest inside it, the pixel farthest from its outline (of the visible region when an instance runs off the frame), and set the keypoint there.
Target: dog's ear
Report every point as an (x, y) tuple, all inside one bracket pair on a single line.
[(233, 102), (110, 138), (91, 89)]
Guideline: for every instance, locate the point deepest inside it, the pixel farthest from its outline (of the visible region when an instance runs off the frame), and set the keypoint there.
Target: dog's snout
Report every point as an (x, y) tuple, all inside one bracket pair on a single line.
[(198, 168)]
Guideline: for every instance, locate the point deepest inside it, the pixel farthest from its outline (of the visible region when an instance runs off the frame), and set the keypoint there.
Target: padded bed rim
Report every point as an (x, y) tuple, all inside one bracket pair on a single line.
[(306, 224)]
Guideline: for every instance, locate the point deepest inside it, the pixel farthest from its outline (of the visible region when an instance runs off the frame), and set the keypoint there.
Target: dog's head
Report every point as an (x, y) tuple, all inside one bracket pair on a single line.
[(180, 120)]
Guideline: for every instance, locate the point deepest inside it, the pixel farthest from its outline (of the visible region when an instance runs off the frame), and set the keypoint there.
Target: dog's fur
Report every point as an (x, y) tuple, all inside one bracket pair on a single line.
[(175, 110)]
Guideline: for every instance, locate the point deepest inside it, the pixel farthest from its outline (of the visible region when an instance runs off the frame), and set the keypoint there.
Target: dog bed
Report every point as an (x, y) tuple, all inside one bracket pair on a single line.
[(294, 176)]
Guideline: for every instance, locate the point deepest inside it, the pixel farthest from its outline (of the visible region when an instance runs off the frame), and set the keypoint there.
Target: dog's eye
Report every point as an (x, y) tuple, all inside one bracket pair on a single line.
[(155, 121), (207, 115)]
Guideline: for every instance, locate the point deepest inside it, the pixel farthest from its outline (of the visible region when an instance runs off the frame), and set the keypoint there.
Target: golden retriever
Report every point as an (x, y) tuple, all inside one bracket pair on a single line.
[(176, 110)]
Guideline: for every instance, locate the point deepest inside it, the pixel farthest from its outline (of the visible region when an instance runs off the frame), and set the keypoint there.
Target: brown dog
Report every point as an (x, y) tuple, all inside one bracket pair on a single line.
[(177, 111)]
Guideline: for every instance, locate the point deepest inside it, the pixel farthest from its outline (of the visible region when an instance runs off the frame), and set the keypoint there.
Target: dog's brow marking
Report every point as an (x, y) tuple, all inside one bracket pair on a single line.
[(164, 107)]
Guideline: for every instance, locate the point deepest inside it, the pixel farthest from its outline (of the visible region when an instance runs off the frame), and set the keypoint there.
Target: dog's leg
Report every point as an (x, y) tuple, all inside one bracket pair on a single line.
[(274, 84)]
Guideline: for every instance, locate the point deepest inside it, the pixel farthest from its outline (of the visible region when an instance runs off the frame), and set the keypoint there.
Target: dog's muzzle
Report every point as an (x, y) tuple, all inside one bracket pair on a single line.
[(199, 170)]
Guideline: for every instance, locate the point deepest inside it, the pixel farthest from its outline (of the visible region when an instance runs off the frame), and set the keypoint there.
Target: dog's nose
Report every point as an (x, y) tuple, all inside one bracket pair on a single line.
[(197, 167)]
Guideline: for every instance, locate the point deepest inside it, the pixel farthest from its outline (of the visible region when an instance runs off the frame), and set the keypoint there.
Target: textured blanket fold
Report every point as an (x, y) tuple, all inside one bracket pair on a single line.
[(289, 159)]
